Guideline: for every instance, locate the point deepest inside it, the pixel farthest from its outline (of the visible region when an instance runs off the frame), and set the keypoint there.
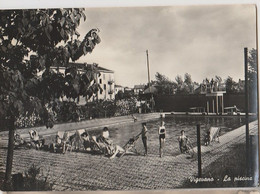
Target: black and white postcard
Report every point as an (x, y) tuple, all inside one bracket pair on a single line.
[(129, 98)]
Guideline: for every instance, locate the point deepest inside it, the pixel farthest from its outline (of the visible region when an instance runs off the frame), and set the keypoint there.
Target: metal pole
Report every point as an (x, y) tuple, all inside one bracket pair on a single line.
[(217, 104), (96, 76), (257, 80), (199, 150), (213, 106), (207, 107), (222, 102), (148, 69), (246, 107)]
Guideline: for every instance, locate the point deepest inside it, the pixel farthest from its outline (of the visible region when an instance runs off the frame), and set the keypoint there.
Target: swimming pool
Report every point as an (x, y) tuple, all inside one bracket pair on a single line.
[(120, 134)]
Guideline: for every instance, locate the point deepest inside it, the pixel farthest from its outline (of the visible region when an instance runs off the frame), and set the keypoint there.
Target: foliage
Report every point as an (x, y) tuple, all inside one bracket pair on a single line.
[(218, 79), (185, 86), (124, 95), (33, 180), (180, 83), (29, 44), (67, 112), (233, 87), (164, 84), (102, 108), (109, 108), (230, 85), (27, 120), (188, 84), (125, 106), (252, 79)]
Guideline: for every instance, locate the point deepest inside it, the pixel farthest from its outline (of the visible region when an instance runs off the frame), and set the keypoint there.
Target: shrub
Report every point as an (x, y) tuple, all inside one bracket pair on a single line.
[(31, 181), (125, 106), (27, 120), (68, 112), (102, 108)]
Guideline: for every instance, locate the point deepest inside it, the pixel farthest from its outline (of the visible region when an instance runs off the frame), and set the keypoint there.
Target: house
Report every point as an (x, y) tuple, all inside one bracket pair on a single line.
[(139, 89), (118, 88), (106, 81), (105, 78), (127, 89)]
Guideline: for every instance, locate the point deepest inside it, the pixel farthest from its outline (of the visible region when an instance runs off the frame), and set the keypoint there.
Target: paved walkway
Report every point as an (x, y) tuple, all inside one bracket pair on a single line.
[(81, 171)]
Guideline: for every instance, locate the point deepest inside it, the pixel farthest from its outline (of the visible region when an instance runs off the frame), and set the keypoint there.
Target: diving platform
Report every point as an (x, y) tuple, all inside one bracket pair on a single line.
[(215, 102)]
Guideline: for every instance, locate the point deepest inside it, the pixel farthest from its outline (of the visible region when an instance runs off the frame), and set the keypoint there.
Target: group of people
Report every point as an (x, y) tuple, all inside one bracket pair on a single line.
[(104, 145), (36, 141), (210, 85), (182, 139), (82, 140)]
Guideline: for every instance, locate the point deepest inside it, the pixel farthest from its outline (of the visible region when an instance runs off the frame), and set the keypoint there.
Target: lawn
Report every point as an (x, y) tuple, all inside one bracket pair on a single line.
[(227, 171)]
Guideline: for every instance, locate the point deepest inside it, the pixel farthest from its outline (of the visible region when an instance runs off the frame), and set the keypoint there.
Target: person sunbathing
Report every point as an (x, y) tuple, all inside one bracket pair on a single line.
[(59, 144), (19, 141), (107, 146), (87, 143), (36, 141)]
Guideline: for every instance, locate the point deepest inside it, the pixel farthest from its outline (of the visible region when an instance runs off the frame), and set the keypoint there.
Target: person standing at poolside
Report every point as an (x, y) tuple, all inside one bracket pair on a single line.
[(144, 137), (161, 132)]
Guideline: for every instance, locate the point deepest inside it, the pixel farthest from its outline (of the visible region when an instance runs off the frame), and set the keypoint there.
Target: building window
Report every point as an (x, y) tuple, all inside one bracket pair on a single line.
[(100, 81), (105, 86), (100, 91)]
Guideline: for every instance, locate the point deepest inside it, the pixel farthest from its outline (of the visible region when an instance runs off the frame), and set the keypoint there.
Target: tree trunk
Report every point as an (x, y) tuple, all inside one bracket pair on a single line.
[(9, 160)]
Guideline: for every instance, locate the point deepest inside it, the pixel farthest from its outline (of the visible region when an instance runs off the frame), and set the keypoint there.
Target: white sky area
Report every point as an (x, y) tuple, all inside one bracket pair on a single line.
[(201, 40)]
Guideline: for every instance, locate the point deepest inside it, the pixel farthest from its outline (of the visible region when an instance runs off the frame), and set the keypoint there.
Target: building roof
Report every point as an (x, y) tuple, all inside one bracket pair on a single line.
[(102, 69), (118, 86), (139, 86), (82, 65), (127, 88)]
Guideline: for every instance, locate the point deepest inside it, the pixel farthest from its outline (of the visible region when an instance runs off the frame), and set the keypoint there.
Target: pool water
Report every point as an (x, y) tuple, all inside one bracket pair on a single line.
[(120, 134)]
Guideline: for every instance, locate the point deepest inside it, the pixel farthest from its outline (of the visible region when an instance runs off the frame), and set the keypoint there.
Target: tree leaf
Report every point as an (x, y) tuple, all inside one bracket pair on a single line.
[(77, 33), (62, 33), (50, 27), (47, 33), (62, 21)]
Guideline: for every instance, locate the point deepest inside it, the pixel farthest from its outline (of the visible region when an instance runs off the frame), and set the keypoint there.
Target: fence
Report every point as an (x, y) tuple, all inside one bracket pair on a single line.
[(183, 103)]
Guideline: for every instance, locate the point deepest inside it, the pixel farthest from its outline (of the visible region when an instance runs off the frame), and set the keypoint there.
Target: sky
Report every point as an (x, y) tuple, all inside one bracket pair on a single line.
[(201, 40)]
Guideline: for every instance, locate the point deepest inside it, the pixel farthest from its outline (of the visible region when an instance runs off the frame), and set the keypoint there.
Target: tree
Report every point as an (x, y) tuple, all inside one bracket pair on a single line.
[(32, 41), (124, 95), (180, 83), (164, 84), (218, 79), (231, 85), (188, 84)]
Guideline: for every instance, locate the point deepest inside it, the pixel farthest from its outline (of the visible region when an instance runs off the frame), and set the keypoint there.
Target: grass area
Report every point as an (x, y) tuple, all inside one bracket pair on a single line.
[(227, 171)]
